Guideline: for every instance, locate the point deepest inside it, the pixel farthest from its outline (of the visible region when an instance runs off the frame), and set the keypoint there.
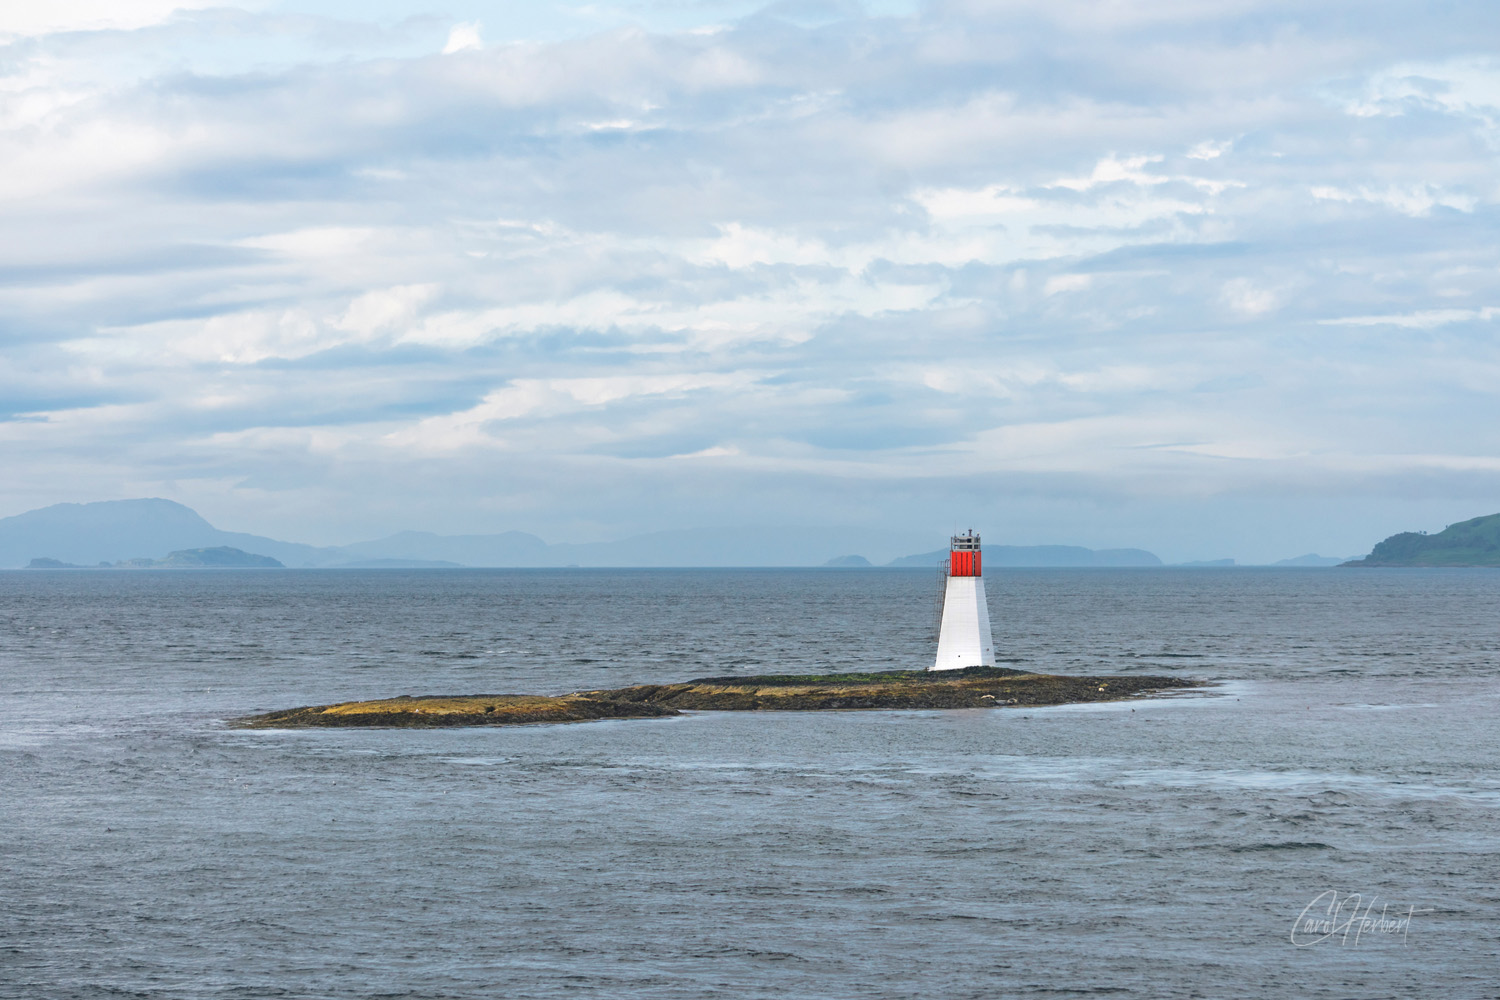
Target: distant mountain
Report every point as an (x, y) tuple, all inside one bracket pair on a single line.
[(1311, 559), (1040, 556), (1475, 542), (117, 530), (120, 530), (745, 546), (510, 548), (848, 562)]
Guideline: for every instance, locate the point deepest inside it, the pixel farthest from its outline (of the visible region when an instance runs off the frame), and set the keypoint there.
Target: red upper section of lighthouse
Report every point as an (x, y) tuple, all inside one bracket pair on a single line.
[(963, 557)]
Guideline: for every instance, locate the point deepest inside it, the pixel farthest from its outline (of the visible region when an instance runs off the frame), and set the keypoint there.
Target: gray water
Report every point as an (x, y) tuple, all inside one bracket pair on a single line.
[(1149, 849)]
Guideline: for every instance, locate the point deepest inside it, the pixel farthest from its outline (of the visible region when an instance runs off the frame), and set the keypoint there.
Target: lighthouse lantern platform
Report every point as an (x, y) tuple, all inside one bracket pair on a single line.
[(965, 640)]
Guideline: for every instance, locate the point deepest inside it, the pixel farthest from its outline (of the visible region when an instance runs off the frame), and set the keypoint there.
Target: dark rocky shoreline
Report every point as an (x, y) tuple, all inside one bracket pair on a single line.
[(974, 687)]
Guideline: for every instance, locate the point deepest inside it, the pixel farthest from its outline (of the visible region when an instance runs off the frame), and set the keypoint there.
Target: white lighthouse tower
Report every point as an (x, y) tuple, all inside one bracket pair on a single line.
[(965, 640)]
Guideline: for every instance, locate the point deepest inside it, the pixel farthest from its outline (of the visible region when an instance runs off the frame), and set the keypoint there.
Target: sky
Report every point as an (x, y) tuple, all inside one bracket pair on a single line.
[(1215, 278)]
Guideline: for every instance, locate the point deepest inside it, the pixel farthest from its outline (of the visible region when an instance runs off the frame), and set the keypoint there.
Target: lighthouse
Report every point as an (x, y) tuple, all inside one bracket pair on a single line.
[(965, 640)]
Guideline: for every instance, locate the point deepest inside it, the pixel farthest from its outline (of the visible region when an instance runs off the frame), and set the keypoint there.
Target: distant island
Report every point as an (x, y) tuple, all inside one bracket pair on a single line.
[(1475, 542), (216, 557), (973, 687), (1312, 559)]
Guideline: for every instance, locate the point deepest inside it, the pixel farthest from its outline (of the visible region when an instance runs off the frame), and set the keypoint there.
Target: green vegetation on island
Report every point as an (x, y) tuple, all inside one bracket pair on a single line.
[(1475, 542), (975, 687)]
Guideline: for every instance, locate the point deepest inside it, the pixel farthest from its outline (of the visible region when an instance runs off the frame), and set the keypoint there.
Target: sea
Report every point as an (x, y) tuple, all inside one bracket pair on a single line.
[(1321, 820)]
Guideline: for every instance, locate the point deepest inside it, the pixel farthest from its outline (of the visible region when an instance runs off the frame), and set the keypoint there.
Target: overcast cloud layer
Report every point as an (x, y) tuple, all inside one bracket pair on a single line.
[(1209, 277)]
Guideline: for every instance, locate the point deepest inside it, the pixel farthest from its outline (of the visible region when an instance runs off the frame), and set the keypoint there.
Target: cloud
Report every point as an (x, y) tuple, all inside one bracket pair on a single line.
[(728, 268), (1416, 199), (25, 19), (462, 38), (1424, 320), (1463, 86)]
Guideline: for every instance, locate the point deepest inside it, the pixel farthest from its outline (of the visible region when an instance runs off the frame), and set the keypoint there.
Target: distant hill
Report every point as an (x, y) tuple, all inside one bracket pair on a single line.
[(848, 562), (510, 548), (742, 546), (1474, 542), (140, 531), (1041, 556), (1311, 559), (118, 530), (219, 556)]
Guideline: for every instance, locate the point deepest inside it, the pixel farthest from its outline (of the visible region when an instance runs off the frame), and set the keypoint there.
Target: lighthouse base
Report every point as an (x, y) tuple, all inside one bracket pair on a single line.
[(965, 640)]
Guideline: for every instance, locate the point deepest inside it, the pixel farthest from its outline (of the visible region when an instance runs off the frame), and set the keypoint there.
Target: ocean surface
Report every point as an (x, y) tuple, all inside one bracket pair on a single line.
[(1151, 849)]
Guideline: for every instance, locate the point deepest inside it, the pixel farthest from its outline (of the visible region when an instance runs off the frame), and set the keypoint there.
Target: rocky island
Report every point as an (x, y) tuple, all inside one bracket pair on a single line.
[(973, 687)]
